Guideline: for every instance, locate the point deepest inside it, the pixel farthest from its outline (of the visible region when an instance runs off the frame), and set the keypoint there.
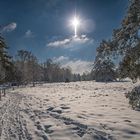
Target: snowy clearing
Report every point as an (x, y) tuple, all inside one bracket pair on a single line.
[(69, 111)]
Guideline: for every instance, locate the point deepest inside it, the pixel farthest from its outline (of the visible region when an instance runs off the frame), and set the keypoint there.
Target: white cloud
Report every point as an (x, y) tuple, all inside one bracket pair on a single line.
[(10, 27), (71, 42), (61, 59), (59, 43), (77, 66), (29, 34)]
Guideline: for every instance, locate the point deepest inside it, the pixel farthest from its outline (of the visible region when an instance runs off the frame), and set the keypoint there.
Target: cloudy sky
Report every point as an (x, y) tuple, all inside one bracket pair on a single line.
[(43, 27)]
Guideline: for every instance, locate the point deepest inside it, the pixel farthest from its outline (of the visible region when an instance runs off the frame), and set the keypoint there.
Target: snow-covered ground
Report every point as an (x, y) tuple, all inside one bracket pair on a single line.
[(69, 111)]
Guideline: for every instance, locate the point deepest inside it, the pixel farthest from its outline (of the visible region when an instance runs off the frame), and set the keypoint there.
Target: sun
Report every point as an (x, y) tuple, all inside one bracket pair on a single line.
[(75, 23)]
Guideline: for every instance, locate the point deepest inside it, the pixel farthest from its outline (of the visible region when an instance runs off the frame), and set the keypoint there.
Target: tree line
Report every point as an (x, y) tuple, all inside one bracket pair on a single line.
[(25, 68)]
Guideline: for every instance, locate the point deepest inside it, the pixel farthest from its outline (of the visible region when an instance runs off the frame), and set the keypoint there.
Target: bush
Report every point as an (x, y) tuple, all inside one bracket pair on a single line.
[(134, 98)]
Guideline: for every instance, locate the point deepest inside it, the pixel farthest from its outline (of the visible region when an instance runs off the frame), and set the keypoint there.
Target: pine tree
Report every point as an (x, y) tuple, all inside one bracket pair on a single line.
[(127, 38), (104, 70), (126, 43), (5, 62)]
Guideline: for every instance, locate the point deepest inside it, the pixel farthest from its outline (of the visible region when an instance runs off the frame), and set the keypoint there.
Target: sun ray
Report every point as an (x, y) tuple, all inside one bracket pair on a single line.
[(75, 24)]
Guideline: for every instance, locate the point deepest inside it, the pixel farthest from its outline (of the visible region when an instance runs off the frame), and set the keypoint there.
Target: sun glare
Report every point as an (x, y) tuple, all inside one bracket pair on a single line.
[(75, 23)]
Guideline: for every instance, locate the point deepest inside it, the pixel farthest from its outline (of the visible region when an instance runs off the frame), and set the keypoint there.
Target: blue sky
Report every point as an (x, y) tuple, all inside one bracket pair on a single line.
[(42, 26)]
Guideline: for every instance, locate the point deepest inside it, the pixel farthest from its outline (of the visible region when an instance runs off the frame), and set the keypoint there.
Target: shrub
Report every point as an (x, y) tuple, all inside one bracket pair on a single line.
[(134, 98)]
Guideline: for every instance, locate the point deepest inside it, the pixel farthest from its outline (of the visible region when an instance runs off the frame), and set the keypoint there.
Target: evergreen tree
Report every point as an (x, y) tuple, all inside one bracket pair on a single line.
[(5, 62), (126, 41), (104, 70)]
